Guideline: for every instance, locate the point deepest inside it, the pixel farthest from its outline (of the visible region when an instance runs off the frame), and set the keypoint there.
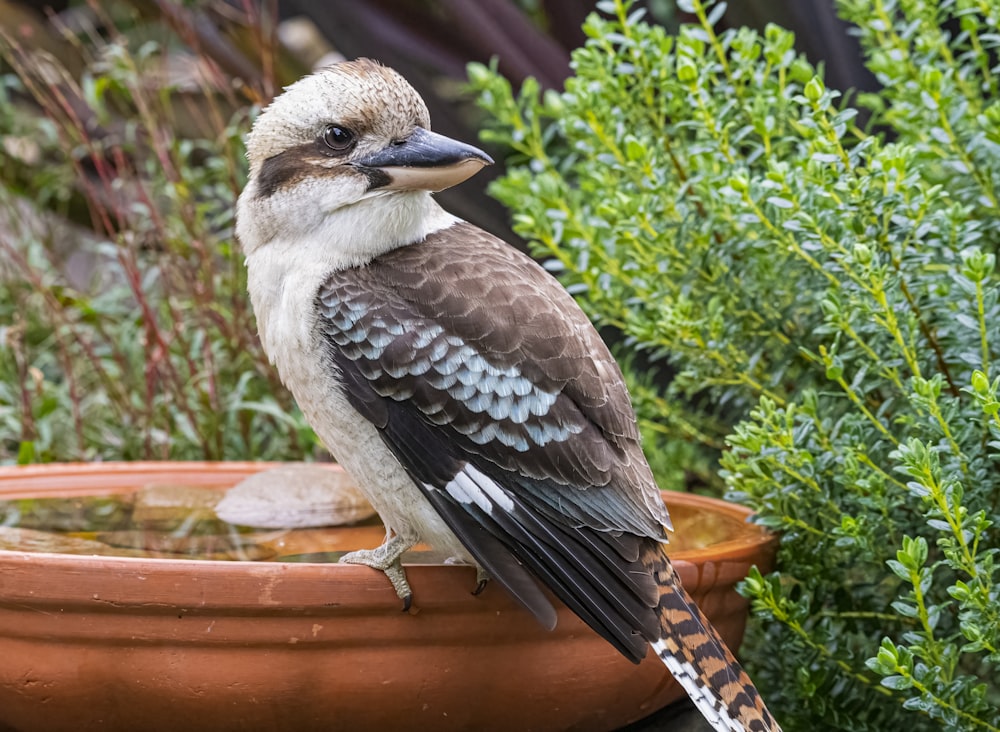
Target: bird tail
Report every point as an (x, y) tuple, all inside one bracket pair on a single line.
[(698, 658)]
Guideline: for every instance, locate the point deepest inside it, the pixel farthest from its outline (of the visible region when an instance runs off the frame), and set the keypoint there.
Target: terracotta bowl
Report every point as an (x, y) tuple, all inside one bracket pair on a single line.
[(124, 643)]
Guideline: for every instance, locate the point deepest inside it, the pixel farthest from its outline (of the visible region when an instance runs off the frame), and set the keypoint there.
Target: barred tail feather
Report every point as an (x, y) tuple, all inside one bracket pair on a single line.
[(698, 658)]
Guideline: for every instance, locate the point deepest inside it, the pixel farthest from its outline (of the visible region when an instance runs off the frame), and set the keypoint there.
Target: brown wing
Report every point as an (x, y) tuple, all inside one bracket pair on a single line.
[(498, 396)]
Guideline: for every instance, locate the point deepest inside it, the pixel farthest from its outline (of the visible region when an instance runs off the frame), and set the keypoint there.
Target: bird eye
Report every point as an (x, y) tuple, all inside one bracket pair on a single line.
[(338, 139)]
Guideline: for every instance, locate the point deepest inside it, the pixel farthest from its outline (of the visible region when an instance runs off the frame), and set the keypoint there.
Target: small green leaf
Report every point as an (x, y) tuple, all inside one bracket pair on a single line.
[(814, 90)]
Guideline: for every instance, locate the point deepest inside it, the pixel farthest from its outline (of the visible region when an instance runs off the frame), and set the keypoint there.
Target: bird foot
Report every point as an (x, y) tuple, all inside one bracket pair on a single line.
[(482, 576), (482, 579), (385, 558)]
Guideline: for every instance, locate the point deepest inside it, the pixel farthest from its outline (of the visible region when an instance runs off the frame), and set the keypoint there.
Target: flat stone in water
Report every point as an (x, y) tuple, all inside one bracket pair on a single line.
[(164, 505), (294, 496)]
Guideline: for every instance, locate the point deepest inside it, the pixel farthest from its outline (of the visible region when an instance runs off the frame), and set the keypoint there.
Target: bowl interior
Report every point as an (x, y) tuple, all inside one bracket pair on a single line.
[(98, 488)]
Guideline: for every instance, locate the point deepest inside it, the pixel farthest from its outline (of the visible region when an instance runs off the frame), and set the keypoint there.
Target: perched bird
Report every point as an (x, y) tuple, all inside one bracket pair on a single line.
[(456, 380)]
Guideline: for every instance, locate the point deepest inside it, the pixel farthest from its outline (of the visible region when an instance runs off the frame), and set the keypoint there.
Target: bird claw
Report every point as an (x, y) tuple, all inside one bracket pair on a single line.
[(482, 579), (385, 558)]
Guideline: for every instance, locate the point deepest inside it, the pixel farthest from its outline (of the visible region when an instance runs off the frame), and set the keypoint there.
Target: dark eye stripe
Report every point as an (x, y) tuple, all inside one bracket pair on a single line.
[(283, 170)]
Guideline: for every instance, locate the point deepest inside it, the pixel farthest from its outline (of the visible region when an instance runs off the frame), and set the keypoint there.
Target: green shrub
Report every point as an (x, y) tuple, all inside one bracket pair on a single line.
[(826, 300), (148, 348)]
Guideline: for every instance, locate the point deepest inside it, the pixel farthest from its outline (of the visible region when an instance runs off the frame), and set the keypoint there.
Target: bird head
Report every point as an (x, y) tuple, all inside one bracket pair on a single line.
[(348, 134)]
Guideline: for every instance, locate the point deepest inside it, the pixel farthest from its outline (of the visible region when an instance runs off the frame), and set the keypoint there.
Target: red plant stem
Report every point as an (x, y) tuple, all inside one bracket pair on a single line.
[(29, 433)]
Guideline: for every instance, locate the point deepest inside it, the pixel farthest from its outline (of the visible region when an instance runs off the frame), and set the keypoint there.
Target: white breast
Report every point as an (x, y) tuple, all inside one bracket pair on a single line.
[(284, 276)]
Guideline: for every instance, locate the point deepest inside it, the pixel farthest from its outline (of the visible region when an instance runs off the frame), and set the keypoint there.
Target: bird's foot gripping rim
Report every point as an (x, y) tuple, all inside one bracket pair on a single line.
[(385, 558)]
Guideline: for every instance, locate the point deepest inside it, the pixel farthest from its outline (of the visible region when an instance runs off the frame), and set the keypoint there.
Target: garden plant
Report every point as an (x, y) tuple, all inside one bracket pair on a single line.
[(125, 328), (821, 295)]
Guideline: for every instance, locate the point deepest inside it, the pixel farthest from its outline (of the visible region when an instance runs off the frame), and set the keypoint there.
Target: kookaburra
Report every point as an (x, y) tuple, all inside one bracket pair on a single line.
[(456, 380)]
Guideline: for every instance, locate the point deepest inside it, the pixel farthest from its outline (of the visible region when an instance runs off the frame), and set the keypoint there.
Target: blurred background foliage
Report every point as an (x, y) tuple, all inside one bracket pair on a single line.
[(125, 331), (124, 328)]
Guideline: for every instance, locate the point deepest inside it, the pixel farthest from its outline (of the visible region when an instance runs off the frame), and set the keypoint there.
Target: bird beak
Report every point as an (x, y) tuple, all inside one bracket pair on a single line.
[(424, 161)]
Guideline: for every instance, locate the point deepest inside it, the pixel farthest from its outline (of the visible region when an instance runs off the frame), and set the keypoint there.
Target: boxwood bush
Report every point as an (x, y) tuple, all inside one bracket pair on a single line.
[(822, 298)]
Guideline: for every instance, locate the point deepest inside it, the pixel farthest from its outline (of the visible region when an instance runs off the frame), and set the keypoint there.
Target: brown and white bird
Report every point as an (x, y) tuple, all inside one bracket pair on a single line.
[(456, 380)]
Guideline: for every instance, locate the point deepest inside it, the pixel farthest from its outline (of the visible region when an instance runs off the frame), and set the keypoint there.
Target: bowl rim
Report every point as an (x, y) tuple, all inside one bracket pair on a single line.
[(729, 557)]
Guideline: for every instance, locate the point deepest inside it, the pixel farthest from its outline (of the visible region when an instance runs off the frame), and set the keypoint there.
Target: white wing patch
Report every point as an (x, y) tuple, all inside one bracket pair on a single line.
[(710, 706), (472, 486)]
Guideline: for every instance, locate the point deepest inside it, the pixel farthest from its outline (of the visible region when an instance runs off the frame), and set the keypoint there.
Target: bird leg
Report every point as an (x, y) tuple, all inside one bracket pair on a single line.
[(385, 558)]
